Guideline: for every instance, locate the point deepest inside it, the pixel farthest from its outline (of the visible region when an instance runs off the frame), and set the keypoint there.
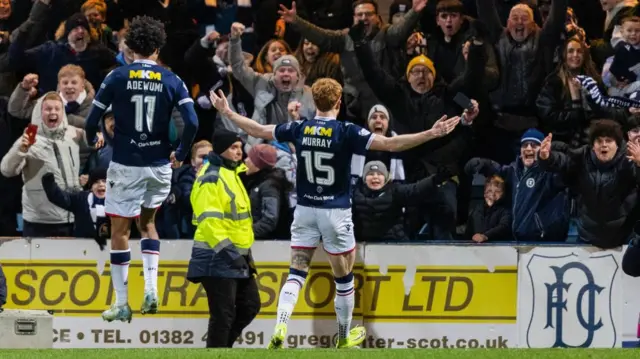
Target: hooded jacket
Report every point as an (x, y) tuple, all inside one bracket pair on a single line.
[(56, 151), (21, 106)]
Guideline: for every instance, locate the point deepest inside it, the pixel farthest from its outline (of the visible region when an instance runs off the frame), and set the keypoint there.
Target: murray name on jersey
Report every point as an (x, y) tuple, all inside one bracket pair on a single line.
[(324, 149)]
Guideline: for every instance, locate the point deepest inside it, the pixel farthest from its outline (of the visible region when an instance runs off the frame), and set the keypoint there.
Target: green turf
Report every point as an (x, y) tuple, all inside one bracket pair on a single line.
[(317, 353)]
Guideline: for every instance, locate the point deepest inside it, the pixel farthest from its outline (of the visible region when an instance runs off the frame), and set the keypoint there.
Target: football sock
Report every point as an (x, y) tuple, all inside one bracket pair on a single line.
[(150, 259), (119, 274), (344, 304), (289, 294)]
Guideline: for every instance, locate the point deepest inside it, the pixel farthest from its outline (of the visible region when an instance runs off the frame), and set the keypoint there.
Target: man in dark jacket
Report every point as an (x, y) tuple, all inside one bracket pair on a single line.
[(382, 38), (540, 203), (416, 103), (605, 181), (76, 48)]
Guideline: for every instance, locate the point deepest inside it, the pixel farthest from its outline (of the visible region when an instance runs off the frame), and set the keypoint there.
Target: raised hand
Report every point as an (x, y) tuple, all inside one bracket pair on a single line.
[(294, 109), (288, 15), (545, 147), (633, 152), (419, 5), (219, 101), (237, 29), (29, 81), (445, 125), (175, 164)]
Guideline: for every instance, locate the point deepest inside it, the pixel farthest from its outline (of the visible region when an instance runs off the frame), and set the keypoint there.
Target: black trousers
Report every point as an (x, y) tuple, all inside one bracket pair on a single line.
[(233, 303)]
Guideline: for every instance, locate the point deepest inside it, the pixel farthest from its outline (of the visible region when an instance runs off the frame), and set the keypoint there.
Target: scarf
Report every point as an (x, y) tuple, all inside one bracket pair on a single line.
[(96, 207)]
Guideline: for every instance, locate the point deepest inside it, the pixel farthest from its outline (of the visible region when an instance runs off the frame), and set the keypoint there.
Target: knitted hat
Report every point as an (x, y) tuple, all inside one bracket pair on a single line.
[(286, 60), (95, 175), (77, 19), (532, 135), (378, 108), (399, 7), (263, 155), (376, 166), (421, 60), (223, 139)]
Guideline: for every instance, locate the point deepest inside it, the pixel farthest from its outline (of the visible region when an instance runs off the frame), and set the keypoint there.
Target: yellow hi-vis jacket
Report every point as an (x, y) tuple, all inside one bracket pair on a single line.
[(222, 214)]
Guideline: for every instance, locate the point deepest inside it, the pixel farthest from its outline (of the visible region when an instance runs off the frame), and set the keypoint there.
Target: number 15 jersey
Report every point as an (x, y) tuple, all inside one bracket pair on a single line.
[(324, 150), (142, 96)]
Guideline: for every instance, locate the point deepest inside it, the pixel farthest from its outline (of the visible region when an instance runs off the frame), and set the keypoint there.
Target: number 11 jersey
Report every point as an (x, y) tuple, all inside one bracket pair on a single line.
[(324, 150), (142, 97)]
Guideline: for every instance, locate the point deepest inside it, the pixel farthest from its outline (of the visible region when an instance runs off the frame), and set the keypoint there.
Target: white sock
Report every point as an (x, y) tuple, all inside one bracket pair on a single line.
[(344, 304), (120, 273), (150, 260), (289, 294)]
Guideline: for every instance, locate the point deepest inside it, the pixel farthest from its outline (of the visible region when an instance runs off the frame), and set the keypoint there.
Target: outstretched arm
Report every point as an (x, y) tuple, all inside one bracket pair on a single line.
[(400, 143), (251, 127)]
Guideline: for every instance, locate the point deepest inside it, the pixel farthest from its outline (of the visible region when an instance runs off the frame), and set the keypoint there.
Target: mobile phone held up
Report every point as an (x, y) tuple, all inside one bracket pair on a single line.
[(463, 101), (31, 132)]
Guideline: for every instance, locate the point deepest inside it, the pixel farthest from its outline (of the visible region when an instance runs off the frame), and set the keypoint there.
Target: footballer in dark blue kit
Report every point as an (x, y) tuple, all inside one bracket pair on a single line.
[(142, 96), (324, 150)]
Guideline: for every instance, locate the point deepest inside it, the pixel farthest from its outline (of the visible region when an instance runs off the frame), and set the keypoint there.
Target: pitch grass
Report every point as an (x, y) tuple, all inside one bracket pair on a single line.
[(317, 353)]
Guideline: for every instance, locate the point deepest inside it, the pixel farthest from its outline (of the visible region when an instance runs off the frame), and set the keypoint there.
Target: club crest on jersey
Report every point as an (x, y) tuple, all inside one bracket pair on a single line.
[(318, 131), (145, 75)]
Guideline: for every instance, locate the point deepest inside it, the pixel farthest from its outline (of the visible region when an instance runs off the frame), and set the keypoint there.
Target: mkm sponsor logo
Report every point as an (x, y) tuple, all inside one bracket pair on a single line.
[(145, 75), (318, 131)]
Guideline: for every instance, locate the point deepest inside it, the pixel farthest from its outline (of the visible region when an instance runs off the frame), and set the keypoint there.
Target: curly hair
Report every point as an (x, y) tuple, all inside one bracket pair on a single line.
[(146, 35), (326, 93)]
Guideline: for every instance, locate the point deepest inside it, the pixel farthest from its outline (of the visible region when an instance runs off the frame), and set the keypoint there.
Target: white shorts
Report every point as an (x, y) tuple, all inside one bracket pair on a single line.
[(333, 225), (129, 188)]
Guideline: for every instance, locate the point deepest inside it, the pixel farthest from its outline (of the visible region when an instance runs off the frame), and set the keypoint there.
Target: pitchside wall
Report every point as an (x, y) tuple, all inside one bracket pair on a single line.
[(408, 296)]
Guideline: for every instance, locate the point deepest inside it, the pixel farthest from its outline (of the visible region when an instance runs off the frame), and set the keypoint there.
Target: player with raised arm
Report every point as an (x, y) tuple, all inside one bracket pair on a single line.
[(142, 96), (324, 147)]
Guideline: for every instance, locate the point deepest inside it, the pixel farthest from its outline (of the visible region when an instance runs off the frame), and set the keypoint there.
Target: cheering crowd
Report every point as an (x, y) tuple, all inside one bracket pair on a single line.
[(551, 157)]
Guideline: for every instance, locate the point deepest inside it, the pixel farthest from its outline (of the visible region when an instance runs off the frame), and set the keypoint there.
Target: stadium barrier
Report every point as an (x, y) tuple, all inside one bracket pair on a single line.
[(408, 296)]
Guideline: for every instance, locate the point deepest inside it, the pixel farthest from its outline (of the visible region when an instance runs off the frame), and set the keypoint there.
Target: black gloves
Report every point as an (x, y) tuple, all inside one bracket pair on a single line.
[(103, 231), (357, 34)]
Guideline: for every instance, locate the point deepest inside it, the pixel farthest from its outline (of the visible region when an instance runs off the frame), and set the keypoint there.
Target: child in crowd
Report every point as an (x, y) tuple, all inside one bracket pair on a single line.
[(491, 221)]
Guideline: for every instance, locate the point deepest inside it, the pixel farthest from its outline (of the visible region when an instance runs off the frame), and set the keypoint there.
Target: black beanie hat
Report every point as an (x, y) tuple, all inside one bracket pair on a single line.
[(75, 20), (95, 175), (223, 139)]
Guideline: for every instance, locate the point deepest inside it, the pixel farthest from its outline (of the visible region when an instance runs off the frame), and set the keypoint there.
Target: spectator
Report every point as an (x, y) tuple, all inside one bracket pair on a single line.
[(523, 50), (76, 92), (268, 190), (378, 203), (47, 59), (358, 97), (272, 92), (96, 13), (563, 106), (208, 59), (315, 64), (541, 205), (87, 206), (604, 180), (620, 71), (378, 123), (492, 220), (270, 52), (55, 150), (445, 44), (416, 103), (184, 178)]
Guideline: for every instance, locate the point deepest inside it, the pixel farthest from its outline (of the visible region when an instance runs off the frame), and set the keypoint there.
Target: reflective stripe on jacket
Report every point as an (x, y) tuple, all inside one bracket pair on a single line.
[(222, 216)]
